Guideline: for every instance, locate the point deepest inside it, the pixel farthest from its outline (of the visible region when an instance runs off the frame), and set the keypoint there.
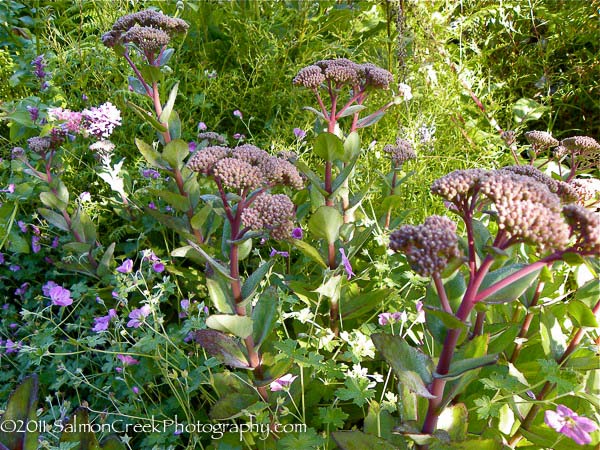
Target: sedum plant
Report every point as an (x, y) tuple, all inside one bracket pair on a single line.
[(519, 223), (341, 87)]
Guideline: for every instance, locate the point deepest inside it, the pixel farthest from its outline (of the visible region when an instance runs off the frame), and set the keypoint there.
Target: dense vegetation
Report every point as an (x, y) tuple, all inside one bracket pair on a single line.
[(230, 215)]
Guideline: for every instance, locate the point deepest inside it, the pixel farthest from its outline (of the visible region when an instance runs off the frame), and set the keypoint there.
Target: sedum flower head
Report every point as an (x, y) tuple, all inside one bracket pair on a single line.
[(585, 149), (273, 212), (540, 140), (458, 185), (587, 190), (310, 77), (148, 39), (40, 144), (250, 154), (376, 77), (237, 174), (401, 152), (154, 20), (427, 247), (278, 171), (101, 121), (211, 137), (581, 144), (585, 224), (204, 159), (340, 71), (566, 192), (526, 209)]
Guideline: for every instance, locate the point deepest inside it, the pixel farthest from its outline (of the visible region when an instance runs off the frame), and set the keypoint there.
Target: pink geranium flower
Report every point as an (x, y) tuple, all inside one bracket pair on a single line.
[(567, 422)]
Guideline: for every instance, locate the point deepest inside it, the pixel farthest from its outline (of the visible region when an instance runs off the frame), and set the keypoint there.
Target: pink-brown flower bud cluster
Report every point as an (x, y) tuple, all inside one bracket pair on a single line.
[(401, 152), (342, 71), (587, 189), (585, 224), (272, 212), (565, 191), (245, 167), (428, 247), (149, 30)]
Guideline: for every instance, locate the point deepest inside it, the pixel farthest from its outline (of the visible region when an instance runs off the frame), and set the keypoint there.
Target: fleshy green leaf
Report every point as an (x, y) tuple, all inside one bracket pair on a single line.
[(329, 147), (175, 152), (75, 430), (411, 366), (54, 218), (313, 177), (104, 265), (177, 201), (350, 111), (325, 223), (459, 367), (240, 326), (255, 278), (309, 251), (352, 146), (357, 440), (146, 116), (168, 108), (581, 314), (223, 347), (264, 316), (149, 154), (20, 410), (510, 292), (220, 294)]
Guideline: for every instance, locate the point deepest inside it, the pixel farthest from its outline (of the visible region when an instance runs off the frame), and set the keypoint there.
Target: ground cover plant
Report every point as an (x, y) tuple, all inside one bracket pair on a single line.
[(276, 225)]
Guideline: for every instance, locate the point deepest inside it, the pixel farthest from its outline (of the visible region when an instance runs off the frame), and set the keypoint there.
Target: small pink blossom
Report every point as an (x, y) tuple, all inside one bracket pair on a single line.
[(126, 267), (237, 113), (127, 360), (346, 264), (138, 315), (283, 382), (567, 422), (60, 296)]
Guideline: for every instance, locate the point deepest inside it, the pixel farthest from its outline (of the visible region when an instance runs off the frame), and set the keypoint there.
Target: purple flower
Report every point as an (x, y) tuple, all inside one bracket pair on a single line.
[(127, 360), (138, 315), (85, 197), (151, 205), (202, 126), (11, 187), (346, 263), (35, 244), (2, 258), (237, 113), (275, 252), (299, 133), (136, 390), (101, 323), (60, 296), (12, 347), (36, 230), (21, 290), (126, 267), (385, 318), (158, 267), (576, 427), (192, 147), (22, 226), (14, 267), (54, 242), (282, 382), (34, 113), (150, 173), (185, 304), (238, 136), (84, 97), (297, 233), (46, 288)]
